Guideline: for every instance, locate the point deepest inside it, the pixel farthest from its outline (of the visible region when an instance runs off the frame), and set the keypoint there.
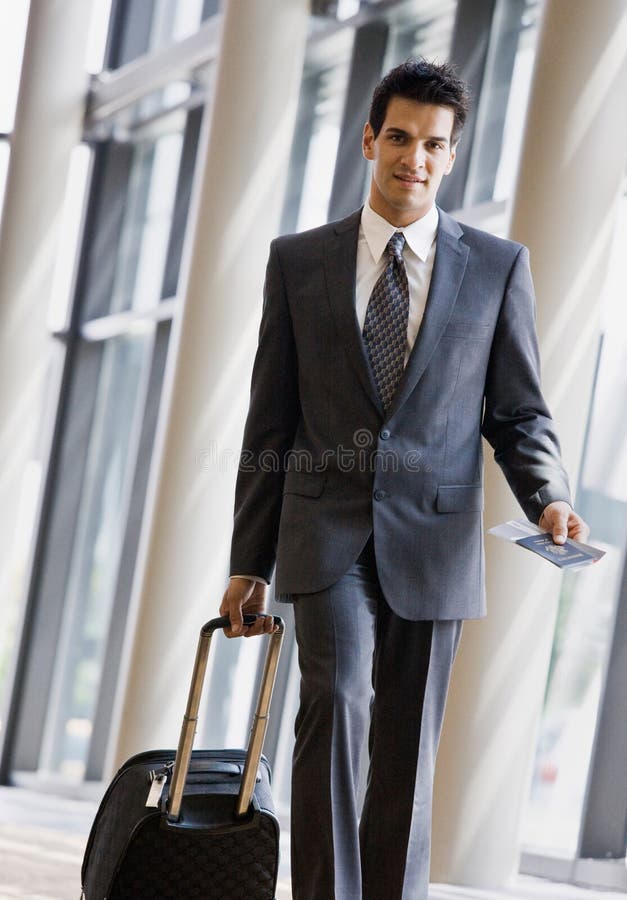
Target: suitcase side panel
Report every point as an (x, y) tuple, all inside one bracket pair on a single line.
[(240, 864), (123, 810), (157, 757)]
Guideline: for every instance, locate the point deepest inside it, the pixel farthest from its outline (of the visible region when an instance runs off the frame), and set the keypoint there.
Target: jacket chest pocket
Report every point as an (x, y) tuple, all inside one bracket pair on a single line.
[(467, 331), (304, 484)]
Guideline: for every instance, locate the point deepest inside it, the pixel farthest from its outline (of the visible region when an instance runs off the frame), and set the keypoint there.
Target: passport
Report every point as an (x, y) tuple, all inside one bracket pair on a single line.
[(571, 555)]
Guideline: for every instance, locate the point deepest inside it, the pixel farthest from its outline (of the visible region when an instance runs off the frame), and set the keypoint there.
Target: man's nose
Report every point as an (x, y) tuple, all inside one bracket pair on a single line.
[(415, 156)]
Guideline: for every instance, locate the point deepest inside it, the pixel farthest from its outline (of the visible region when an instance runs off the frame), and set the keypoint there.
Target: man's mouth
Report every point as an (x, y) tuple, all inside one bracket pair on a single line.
[(410, 179)]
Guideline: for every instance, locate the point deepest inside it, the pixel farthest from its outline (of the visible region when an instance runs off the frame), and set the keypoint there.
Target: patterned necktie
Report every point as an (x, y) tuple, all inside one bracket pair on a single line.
[(385, 328)]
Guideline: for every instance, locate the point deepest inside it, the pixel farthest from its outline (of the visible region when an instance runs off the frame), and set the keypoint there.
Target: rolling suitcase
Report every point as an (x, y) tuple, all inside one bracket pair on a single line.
[(190, 824)]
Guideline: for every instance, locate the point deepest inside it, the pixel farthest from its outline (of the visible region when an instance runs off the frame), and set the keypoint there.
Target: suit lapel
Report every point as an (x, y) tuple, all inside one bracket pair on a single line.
[(449, 266), (340, 262)]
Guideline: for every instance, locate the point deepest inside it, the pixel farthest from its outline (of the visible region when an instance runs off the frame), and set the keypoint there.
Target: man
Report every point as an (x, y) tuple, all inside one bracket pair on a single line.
[(390, 342)]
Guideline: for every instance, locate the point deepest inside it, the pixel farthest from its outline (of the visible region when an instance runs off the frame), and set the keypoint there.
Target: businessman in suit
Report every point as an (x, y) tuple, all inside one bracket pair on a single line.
[(390, 342)]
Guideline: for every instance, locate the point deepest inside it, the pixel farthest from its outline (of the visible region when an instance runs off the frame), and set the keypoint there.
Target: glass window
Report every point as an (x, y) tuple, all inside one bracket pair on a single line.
[(421, 29), (13, 25), (415, 28), (317, 132), (139, 195), (588, 599), (71, 225), (13, 22), (173, 20), (517, 102), (318, 175), (138, 186), (146, 224), (97, 546), (146, 26), (502, 104)]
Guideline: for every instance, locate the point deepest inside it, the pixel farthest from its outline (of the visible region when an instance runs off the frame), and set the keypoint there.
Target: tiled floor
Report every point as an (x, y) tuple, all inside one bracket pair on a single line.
[(42, 839), (524, 889)]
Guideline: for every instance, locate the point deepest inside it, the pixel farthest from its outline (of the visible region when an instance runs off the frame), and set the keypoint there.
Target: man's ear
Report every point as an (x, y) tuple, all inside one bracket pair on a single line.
[(451, 160), (367, 143)]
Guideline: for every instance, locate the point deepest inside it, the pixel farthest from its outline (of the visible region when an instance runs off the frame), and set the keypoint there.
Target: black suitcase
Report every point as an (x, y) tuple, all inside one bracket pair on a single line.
[(176, 826)]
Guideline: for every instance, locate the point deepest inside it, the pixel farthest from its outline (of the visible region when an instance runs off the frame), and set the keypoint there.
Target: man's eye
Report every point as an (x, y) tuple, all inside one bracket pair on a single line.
[(435, 145)]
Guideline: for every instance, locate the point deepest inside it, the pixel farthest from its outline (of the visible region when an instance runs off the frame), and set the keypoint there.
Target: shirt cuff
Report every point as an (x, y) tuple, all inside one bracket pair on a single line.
[(251, 578)]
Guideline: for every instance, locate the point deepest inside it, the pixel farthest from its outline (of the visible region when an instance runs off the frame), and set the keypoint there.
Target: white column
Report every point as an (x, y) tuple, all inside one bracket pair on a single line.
[(242, 165), (48, 125), (573, 161)]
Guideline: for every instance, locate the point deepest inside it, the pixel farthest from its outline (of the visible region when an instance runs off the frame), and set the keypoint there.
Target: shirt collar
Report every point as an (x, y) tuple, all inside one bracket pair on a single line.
[(419, 235)]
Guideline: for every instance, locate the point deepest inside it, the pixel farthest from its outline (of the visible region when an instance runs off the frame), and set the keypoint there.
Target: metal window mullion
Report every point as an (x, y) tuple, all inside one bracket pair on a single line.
[(114, 91), (182, 200), (485, 153), (114, 33), (469, 52), (148, 408), (34, 659), (129, 31), (310, 93), (603, 833), (27, 663), (26, 629)]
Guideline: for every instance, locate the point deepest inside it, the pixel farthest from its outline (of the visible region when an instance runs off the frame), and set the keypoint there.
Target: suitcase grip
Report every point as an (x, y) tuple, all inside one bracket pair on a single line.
[(260, 721)]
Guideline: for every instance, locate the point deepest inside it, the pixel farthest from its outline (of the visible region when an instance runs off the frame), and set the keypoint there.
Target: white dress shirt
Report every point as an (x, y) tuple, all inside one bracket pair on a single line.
[(418, 254)]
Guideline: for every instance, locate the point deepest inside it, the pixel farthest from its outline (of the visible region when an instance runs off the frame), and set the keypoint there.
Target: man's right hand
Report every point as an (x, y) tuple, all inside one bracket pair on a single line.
[(246, 596)]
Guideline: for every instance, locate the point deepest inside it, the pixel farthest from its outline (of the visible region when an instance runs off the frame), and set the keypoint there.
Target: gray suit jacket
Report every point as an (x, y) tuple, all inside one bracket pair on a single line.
[(323, 466)]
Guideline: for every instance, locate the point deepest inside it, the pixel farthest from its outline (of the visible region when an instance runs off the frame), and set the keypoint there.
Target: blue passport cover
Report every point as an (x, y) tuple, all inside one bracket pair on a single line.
[(566, 556)]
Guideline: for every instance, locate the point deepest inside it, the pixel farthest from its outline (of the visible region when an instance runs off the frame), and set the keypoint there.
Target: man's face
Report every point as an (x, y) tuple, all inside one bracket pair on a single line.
[(410, 156)]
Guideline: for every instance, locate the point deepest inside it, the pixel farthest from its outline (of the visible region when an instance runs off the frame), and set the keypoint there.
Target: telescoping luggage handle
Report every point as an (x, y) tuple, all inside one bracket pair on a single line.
[(260, 721)]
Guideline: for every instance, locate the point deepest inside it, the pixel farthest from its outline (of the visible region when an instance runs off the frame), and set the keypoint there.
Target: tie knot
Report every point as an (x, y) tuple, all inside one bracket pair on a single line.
[(395, 245)]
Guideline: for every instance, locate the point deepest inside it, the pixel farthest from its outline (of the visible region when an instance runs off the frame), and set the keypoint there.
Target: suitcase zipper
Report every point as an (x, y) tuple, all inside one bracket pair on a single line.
[(156, 789), (158, 781)]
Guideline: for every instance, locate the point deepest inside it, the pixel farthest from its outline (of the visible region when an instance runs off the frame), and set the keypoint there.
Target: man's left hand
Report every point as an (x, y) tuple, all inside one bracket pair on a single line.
[(562, 521)]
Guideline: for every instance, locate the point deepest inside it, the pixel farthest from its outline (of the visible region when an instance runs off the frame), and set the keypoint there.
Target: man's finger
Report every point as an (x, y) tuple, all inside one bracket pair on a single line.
[(580, 533), (557, 518), (235, 615), (237, 594), (260, 626), (578, 530), (263, 625)]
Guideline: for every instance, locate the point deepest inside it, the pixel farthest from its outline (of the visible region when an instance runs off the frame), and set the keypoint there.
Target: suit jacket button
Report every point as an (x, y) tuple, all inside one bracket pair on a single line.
[(385, 434), (379, 494)]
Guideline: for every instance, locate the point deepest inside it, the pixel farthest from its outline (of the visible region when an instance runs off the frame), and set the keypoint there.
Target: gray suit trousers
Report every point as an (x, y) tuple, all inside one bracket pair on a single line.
[(363, 666)]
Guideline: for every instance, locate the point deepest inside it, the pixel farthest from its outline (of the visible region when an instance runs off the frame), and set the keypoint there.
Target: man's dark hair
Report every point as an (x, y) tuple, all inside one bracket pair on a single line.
[(426, 82)]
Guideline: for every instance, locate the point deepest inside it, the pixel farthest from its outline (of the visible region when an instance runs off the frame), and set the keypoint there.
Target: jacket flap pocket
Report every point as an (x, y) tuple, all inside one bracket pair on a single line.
[(468, 330), (460, 498), (306, 484)]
